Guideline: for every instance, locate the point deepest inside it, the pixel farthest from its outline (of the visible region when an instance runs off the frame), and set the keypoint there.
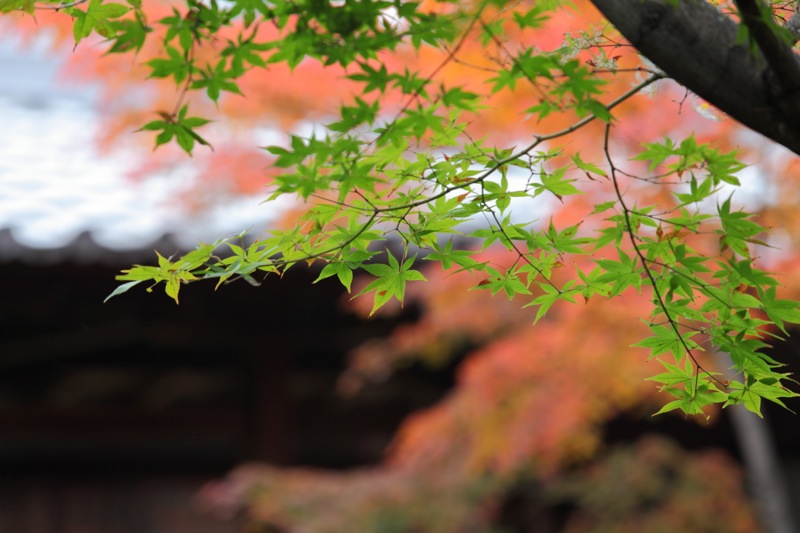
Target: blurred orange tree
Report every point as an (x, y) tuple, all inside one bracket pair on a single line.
[(529, 149)]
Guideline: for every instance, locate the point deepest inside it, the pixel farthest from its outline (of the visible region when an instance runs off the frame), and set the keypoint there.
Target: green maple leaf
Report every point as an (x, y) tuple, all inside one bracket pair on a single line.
[(391, 281), (96, 18)]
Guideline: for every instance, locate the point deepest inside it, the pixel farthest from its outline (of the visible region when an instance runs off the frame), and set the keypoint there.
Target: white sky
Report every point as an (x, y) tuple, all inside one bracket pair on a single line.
[(55, 185)]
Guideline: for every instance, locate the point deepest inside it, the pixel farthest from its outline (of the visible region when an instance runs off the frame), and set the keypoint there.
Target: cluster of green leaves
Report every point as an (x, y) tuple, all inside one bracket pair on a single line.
[(719, 302), (384, 188)]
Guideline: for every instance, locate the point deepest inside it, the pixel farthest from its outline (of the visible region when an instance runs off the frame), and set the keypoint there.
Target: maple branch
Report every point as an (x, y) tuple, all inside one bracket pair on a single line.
[(375, 212), (538, 139), (643, 260), (697, 46)]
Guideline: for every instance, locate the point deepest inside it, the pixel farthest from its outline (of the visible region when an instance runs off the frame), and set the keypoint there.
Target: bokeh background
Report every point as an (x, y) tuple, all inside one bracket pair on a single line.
[(283, 407)]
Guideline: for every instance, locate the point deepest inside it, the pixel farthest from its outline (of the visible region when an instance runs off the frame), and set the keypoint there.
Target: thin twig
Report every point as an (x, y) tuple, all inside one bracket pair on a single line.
[(520, 254), (59, 7), (451, 54)]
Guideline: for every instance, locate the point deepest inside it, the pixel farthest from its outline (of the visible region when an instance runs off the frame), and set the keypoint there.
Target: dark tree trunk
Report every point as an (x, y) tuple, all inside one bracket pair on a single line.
[(762, 465), (697, 47)]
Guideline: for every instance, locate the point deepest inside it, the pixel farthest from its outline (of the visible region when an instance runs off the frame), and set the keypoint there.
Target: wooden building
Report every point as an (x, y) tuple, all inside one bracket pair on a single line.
[(113, 415)]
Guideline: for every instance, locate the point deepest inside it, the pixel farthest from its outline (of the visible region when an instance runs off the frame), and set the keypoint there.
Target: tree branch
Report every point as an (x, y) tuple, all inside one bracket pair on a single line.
[(696, 45), (778, 54)]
